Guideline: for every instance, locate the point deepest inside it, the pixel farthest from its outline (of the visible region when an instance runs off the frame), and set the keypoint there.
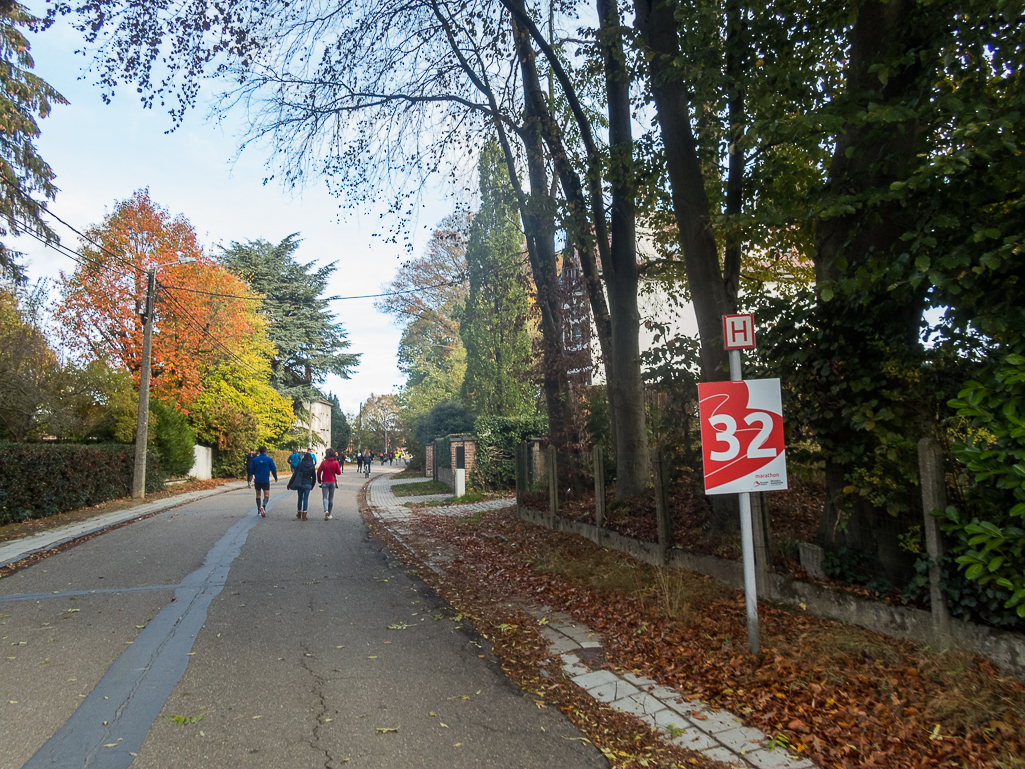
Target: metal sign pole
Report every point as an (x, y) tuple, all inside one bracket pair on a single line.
[(747, 541)]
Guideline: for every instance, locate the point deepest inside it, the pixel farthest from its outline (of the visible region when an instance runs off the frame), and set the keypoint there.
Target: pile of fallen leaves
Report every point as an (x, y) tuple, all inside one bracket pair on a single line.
[(844, 696)]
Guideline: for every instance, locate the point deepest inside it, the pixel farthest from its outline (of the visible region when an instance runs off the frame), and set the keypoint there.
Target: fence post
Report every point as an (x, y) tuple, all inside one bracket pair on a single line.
[(599, 487), (934, 497), (521, 475), (553, 482), (665, 529), (760, 531)]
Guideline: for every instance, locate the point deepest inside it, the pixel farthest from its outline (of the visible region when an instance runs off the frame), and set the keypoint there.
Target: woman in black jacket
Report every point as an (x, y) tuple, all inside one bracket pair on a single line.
[(303, 482)]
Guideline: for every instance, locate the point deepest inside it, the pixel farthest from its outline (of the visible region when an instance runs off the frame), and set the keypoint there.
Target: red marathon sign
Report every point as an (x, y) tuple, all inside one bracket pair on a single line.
[(742, 436)]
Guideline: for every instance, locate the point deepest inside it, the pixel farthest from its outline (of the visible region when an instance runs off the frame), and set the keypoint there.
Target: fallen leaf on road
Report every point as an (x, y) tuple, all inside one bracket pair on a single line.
[(386, 729)]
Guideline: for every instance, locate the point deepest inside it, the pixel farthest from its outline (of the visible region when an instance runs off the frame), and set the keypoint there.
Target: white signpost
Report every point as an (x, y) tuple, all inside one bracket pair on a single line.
[(742, 446)]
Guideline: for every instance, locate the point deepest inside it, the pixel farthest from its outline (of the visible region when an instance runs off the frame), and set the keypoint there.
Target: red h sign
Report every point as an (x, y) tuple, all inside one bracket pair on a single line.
[(738, 331)]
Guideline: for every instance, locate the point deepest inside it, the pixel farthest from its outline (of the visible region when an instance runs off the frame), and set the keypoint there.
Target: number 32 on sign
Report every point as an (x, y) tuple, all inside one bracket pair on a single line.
[(742, 436)]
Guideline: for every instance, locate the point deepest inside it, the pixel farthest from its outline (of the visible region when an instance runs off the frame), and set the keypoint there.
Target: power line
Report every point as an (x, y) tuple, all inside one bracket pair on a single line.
[(100, 246), (196, 324), (332, 299)]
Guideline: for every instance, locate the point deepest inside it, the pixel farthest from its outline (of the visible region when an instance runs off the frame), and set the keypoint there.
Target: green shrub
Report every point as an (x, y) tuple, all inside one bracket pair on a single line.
[(40, 480), (173, 438), (497, 439)]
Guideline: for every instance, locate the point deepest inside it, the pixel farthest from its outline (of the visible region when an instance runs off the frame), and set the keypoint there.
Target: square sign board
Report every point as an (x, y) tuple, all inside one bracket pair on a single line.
[(738, 332), (742, 436)]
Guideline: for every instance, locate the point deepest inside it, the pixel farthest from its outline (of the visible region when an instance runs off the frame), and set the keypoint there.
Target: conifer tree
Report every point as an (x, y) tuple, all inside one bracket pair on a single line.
[(494, 319)]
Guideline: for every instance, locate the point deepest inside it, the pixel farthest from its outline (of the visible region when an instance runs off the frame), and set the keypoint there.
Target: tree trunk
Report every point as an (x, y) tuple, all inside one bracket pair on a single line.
[(657, 25), (539, 228), (712, 299), (867, 158), (633, 467), (589, 235)]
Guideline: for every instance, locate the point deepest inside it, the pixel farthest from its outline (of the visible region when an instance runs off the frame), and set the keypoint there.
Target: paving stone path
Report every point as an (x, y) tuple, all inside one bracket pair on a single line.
[(690, 724)]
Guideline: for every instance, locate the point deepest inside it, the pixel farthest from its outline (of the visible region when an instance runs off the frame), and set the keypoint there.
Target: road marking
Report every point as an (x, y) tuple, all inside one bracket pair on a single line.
[(109, 726)]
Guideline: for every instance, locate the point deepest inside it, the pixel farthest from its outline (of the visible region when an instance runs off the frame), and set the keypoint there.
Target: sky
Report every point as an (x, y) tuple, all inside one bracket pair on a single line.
[(102, 153)]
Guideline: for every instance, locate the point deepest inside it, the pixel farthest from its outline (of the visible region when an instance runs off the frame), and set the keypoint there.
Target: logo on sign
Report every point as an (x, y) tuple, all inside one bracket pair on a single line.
[(742, 436)]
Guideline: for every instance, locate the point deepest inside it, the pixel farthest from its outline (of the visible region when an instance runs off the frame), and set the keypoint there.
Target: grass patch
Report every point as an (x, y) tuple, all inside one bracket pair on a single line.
[(466, 499), (409, 472), (420, 489)]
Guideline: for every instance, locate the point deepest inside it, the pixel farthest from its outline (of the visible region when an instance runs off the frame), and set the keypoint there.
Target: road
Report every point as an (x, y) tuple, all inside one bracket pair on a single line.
[(207, 636)]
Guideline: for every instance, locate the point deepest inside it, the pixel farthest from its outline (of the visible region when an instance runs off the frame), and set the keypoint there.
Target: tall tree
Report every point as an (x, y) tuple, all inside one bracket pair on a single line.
[(202, 311), (494, 318), (25, 176), (340, 428), (309, 343)]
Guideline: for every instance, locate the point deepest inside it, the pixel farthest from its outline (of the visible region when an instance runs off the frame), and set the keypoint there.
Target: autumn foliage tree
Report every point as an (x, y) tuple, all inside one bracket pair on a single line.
[(211, 353), (201, 314)]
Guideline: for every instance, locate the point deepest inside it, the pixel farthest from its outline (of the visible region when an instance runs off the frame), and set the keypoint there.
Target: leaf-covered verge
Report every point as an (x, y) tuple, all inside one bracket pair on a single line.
[(841, 695)]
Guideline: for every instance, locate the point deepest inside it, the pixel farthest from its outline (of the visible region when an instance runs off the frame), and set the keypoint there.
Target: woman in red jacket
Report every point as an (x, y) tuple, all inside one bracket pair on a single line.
[(326, 474)]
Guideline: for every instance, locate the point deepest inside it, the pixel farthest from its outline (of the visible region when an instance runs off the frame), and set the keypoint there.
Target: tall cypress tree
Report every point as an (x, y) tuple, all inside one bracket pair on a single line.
[(494, 319)]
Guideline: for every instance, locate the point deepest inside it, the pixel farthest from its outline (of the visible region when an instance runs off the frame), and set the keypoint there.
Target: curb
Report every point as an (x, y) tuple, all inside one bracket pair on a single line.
[(14, 551)]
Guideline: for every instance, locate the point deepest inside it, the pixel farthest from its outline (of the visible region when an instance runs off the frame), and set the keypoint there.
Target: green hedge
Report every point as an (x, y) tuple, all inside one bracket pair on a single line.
[(497, 439), (39, 480)]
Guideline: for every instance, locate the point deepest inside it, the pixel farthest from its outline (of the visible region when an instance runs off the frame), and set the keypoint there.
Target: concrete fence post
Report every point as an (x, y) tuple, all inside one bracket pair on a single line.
[(553, 482), (934, 497), (599, 487), (662, 516)]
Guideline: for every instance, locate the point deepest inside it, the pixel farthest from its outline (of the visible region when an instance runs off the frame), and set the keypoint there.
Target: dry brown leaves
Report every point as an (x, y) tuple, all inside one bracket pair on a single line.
[(841, 695)]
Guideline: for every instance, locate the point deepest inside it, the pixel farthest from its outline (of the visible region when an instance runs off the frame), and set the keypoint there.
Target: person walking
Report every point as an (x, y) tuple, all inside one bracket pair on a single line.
[(368, 460), (259, 473), (249, 459), (359, 462), (304, 480), (326, 474), (294, 458)]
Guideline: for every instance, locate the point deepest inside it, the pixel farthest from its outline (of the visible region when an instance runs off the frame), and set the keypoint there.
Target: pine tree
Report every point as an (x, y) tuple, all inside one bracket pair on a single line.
[(494, 319), (23, 174), (310, 343)]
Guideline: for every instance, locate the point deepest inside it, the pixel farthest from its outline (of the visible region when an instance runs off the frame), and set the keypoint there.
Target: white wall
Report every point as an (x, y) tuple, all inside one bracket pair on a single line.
[(320, 414), (202, 465)]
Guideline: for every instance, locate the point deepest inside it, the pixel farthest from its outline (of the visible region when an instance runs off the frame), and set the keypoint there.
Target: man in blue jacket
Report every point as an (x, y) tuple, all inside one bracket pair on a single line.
[(260, 470)]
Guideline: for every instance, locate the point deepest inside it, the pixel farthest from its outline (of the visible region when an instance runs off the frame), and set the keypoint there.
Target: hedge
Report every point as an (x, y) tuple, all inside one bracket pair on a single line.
[(39, 480), (497, 439)]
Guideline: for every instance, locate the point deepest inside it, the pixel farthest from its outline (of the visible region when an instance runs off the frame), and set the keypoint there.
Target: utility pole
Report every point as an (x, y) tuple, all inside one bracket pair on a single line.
[(142, 427)]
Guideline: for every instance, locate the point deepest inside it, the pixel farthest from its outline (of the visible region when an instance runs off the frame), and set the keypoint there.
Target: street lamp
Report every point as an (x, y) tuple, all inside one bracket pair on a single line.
[(142, 424)]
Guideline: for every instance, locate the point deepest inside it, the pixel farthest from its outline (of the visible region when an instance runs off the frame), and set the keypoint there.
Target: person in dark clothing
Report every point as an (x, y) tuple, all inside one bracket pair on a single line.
[(304, 480), (259, 473), (249, 460)]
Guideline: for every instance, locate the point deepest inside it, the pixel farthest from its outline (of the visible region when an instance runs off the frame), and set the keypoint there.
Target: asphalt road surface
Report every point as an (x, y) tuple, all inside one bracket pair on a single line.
[(207, 636)]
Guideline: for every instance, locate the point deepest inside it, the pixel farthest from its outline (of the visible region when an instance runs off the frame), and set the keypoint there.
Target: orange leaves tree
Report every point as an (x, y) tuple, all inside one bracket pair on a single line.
[(203, 314)]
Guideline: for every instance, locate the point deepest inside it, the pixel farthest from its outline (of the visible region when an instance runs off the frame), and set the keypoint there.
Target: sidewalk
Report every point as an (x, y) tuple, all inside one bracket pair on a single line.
[(720, 736), (18, 549)]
